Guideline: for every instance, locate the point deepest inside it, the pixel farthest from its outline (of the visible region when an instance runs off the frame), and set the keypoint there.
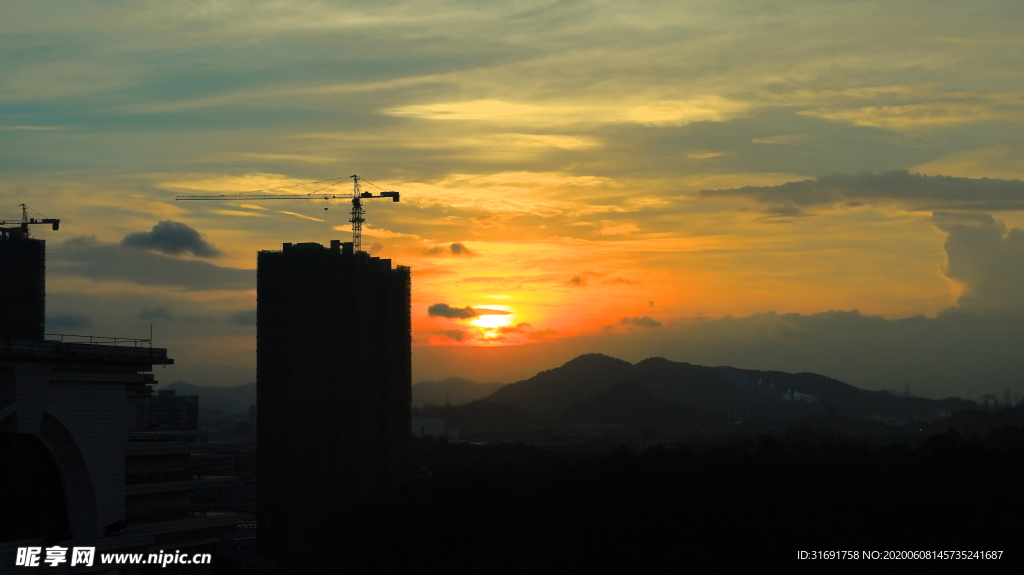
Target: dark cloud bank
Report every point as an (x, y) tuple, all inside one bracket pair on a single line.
[(445, 310), (913, 190), (83, 256)]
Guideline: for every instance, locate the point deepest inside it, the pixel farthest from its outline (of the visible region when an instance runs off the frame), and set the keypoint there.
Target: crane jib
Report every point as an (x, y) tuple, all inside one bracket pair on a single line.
[(356, 196)]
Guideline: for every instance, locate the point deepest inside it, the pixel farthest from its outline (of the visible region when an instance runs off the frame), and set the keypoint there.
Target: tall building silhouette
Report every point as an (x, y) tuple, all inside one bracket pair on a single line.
[(333, 371), (75, 469), (23, 286)]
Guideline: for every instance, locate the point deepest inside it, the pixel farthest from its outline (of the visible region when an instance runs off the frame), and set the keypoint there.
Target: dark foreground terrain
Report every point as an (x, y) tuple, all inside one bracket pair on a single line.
[(753, 502)]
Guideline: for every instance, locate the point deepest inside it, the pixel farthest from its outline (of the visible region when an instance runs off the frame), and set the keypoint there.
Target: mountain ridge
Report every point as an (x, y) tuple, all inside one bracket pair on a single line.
[(733, 392)]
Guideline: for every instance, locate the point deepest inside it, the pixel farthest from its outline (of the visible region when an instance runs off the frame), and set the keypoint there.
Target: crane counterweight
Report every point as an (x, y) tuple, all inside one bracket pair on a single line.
[(25, 221)]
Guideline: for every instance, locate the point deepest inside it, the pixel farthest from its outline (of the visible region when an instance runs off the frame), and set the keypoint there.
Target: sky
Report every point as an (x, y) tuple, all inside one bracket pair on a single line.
[(827, 186)]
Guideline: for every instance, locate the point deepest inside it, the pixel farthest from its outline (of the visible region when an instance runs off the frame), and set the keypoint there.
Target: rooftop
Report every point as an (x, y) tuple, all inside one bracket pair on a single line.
[(106, 352)]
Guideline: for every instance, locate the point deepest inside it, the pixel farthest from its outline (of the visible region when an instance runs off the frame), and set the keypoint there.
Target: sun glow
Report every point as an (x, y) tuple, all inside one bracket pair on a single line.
[(493, 321)]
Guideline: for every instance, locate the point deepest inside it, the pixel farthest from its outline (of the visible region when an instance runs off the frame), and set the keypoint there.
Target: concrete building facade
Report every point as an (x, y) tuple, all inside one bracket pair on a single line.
[(167, 410), (334, 379), (74, 469)]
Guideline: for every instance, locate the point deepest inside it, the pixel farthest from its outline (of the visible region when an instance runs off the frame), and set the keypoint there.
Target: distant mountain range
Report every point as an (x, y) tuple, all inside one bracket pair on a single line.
[(596, 388), (453, 390), (722, 391)]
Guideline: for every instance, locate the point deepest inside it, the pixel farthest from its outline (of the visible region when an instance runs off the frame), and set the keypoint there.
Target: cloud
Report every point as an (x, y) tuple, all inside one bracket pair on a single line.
[(173, 238), (158, 312), (618, 230), (455, 249), (518, 328), (914, 191), (68, 321), (577, 281), (987, 257), (681, 113), (784, 139), (915, 116), (83, 256), (494, 110), (167, 313), (453, 334), (1003, 162), (619, 280), (445, 310), (541, 334), (243, 317), (640, 321), (81, 242), (662, 113), (489, 311)]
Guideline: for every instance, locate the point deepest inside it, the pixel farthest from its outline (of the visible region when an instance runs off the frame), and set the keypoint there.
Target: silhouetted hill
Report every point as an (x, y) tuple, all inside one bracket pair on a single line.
[(724, 391), (454, 390), (228, 400), (633, 405), (551, 391)]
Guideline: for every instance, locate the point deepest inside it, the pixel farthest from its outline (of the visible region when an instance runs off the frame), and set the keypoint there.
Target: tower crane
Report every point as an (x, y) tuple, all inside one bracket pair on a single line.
[(24, 222), (357, 197)]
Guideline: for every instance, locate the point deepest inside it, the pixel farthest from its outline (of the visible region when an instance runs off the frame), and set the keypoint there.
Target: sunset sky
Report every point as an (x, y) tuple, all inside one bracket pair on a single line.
[(728, 183)]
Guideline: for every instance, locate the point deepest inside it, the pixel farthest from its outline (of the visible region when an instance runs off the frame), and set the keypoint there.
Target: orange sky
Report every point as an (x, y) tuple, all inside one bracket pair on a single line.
[(575, 169)]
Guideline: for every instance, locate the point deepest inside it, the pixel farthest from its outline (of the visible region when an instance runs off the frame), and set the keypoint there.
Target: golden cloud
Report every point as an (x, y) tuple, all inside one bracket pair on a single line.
[(618, 230), (915, 116), (683, 112)]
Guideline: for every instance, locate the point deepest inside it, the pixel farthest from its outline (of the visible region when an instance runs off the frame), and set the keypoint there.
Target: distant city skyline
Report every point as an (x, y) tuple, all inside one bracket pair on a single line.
[(718, 183)]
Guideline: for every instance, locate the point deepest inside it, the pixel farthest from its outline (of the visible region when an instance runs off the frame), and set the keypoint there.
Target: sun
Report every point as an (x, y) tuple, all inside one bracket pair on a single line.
[(492, 321)]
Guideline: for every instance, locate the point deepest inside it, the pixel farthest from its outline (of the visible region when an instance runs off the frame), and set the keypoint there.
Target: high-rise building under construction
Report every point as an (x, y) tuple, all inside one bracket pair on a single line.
[(333, 370), (23, 285)]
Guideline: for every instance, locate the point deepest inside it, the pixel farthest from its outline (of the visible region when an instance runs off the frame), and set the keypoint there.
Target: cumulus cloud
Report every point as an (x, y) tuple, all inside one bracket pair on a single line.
[(987, 257), (172, 238), (644, 321), (445, 310), (912, 190)]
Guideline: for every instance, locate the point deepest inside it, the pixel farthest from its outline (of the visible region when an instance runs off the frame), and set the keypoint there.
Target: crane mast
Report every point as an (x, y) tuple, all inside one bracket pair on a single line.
[(357, 196), (357, 216)]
